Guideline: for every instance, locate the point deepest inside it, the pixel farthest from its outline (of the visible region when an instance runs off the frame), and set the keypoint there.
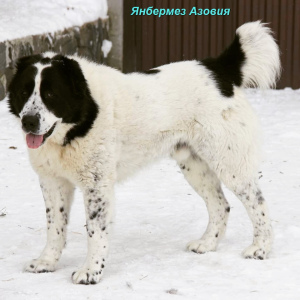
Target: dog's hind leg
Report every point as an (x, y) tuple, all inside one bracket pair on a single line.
[(205, 182), (58, 196), (251, 196)]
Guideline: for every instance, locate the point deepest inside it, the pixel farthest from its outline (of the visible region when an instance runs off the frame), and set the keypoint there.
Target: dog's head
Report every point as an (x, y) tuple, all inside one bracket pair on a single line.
[(47, 91)]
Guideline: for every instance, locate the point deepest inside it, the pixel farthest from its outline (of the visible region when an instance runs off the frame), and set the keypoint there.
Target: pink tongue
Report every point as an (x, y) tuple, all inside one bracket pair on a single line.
[(34, 141)]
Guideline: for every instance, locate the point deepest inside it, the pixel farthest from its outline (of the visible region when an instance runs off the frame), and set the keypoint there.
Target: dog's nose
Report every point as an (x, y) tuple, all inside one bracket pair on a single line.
[(30, 123)]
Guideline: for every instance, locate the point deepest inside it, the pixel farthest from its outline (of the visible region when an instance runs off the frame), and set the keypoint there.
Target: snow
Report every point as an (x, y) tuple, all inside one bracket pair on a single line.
[(157, 214), (106, 47), (21, 18)]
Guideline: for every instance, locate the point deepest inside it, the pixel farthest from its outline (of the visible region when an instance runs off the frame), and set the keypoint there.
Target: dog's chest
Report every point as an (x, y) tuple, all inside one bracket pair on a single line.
[(52, 162)]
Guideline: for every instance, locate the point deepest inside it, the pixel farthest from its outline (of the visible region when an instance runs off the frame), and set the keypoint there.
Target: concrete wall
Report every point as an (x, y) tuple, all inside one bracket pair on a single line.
[(85, 40), (115, 12)]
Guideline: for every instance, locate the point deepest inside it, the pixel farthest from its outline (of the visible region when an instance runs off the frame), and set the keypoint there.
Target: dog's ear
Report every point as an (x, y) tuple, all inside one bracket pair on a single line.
[(26, 61)]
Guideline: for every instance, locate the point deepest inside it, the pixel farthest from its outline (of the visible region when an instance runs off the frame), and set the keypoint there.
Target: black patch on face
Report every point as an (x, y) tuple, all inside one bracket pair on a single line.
[(226, 69), (150, 72), (65, 92), (21, 87)]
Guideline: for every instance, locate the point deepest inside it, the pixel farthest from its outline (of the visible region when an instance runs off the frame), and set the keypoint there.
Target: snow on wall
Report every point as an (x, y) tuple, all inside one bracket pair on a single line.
[(21, 18)]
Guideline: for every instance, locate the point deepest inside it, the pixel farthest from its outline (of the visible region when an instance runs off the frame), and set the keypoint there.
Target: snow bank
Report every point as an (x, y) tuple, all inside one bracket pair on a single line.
[(21, 18)]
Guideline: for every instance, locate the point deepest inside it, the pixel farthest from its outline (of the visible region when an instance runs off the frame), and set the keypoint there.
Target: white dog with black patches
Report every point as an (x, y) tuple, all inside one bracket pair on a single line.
[(90, 126)]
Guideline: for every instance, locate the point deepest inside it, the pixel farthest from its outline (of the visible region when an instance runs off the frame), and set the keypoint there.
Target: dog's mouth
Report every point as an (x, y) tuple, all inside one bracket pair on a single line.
[(34, 141)]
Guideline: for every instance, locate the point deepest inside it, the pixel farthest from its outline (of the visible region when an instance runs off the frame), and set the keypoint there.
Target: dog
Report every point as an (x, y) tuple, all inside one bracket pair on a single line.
[(91, 126)]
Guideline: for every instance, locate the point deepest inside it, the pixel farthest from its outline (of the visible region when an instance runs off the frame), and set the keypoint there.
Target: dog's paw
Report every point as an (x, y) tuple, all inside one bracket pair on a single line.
[(255, 252), (201, 246), (39, 266), (86, 276)]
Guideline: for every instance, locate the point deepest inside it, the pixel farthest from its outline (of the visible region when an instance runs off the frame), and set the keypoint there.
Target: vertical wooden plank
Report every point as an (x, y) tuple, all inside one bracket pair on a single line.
[(234, 16), (138, 42), (220, 25), (165, 35), (192, 30), (205, 30), (289, 42), (255, 9), (179, 31), (199, 34), (148, 38), (129, 53), (172, 34), (213, 30), (296, 47), (228, 24), (158, 36), (283, 39), (185, 32)]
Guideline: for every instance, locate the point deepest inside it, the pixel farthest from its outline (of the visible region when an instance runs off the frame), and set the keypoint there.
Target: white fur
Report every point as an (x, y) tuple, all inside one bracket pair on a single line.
[(178, 112), (262, 68)]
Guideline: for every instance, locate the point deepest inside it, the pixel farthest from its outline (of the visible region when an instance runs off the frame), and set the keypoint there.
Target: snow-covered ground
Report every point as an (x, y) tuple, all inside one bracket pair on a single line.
[(157, 214), (21, 18)]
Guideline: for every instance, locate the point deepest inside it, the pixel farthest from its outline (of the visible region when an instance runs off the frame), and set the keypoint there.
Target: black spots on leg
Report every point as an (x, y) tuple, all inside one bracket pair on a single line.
[(97, 262), (259, 197), (61, 209), (262, 213), (91, 191), (227, 209), (93, 215), (217, 234), (99, 200), (31, 266), (258, 193), (229, 148), (182, 167), (47, 210), (260, 200), (102, 266), (103, 228), (233, 176)]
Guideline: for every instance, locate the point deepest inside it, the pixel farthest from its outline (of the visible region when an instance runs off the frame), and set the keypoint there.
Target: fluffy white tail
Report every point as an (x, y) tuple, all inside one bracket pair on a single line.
[(262, 64)]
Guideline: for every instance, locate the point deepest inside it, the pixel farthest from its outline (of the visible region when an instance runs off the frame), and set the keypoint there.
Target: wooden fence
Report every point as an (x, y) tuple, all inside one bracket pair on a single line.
[(150, 41)]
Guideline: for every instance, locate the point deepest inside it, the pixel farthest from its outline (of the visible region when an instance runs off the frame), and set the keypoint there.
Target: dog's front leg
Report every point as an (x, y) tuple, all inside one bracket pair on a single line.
[(58, 195), (98, 202)]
